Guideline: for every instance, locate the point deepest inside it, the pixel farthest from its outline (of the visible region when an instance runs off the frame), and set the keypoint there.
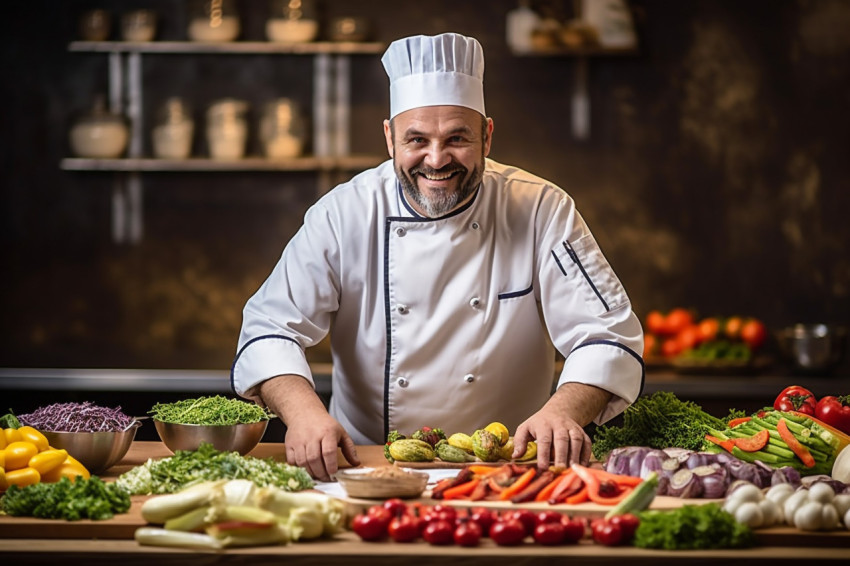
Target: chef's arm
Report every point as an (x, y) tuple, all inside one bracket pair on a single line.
[(558, 427), (312, 435)]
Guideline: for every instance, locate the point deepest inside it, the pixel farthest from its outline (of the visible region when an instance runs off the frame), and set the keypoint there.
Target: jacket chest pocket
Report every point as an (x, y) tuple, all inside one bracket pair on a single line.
[(590, 274)]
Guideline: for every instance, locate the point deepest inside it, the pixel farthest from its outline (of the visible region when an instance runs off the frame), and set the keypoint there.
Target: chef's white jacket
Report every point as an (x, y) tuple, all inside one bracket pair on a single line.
[(445, 322)]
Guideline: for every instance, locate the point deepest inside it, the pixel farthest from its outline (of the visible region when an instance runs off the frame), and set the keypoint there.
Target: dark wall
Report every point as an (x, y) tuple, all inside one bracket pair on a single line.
[(715, 176)]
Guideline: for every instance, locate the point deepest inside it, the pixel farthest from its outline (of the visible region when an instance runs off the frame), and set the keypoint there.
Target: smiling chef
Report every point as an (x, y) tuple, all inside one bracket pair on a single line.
[(447, 281)]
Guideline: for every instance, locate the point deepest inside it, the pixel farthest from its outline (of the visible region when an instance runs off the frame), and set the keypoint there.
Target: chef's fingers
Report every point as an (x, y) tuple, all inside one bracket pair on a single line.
[(521, 438), (329, 458), (349, 452), (586, 451), (544, 451), (316, 461), (576, 441)]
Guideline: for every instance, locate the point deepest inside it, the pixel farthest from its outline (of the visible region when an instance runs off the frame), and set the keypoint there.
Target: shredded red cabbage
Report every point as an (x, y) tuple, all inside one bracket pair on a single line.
[(77, 417)]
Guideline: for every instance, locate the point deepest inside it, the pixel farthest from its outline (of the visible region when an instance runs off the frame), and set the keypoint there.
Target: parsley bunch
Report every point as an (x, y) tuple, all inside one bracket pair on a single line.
[(691, 527), (81, 499)]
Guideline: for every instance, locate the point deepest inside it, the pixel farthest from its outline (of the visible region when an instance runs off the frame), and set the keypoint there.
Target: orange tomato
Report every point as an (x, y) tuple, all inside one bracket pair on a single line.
[(23, 477), (689, 337), (30, 434), (656, 323), (12, 435), (47, 460), (671, 348), (732, 327), (709, 328), (753, 333), (678, 319), (18, 454), (650, 345)]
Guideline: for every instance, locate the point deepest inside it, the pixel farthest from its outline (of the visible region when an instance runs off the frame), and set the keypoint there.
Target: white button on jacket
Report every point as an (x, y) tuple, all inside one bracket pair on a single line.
[(398, 288)]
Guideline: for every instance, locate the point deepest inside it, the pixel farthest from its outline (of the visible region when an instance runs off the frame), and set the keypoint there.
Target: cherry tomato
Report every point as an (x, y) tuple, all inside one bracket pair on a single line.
[(381, 513), (753, 333), (671, 348), (574, 529), (650, 345), (507, 532), (369, 527), (628, 525), (468, 533), (708, 329), (526, 517), (656, 322), (550, 534), (606, 533), (678, 319), (395, 506), (445, 512), (688, 337), (548, 517), (484, 517), (439, 532), (796, 398), (404, 528), (732, 327)]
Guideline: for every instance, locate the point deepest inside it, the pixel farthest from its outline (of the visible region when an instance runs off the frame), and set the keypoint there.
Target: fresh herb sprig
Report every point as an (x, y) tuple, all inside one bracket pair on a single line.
[(660, 420), (691, 527), (215, 410)]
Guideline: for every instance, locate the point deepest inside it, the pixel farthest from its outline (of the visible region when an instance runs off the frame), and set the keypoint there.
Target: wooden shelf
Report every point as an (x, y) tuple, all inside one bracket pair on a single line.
[(345, 163), (587, 51), (231, 47)]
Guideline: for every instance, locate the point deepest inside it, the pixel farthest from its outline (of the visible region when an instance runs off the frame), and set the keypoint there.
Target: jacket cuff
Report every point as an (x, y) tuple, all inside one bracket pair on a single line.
[(265, 357)]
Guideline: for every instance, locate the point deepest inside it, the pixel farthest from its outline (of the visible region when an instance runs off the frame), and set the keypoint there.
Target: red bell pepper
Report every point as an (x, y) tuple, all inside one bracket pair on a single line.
[(796, 398), (835, 411)]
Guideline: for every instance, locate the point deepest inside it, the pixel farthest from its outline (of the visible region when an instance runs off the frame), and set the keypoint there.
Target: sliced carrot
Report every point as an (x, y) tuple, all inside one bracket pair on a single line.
[(727, 445), (461, 490), (544, 493), (753, 443), (740, 420), (578, 497), (569, 485), (593, 482), (483, 470), (788, 438), (519, 484)]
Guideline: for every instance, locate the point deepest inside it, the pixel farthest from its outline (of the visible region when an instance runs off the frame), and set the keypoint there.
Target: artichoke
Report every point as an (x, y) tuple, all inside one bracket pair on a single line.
[(486, 446)]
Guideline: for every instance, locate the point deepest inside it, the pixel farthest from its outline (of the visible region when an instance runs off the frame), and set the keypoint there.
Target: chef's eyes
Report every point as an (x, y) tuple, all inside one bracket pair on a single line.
[(453, 140)]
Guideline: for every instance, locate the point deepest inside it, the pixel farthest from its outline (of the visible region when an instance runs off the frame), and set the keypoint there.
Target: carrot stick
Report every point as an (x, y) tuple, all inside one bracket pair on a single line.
[(482, 470), (519, 484), (461, 490), (579, 497), (544, 493), (619, 479), (801, 451)]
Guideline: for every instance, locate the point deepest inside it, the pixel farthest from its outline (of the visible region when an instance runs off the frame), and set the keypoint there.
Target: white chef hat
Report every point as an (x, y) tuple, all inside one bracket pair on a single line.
[(440, 70)]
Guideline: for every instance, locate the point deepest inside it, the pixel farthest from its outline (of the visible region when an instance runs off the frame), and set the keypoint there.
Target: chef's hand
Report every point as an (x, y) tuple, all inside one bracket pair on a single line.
[(558, 426), (312, 435), (312, 444)]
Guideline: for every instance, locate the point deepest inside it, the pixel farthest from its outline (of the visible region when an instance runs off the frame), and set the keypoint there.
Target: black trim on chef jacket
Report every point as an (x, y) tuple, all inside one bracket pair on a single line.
[(634, 354), (248, 343), (387, 231)]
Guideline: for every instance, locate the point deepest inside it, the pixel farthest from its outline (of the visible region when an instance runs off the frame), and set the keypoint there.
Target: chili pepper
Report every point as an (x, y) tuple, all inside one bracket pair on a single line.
[(727, 444), (463, 476), (578, 497), (533, 488), (835, 411), (801, 451), (547, 490), (593, 483), (461, 490), (796, 398), (519, 484), (569, 484)]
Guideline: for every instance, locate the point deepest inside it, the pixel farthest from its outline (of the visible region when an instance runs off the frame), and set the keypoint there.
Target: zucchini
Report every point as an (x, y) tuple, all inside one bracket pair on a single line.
[(639, 499)]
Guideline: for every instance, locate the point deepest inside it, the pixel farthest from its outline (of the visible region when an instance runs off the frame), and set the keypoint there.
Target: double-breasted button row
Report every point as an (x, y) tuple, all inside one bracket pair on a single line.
[(404, 382)]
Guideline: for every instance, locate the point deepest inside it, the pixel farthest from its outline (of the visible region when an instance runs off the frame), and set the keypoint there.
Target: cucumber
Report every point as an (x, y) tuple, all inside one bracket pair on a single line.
[(639, 499)]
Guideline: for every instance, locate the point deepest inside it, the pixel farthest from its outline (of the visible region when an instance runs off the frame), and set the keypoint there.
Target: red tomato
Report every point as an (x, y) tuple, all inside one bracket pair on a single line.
[(678, 319), (671, 348), (484, 517), (404, 528), (650, 345), (688, 337), (835, 411), (548, 517), (380, 513), (732, 327), (468, 533), (574, 529), (395, 506), (526, 517), (507, 532), (606, 533), (753, 333), (550, 534), (628, 524), (444, 512), (368, 527), (796, 398), (439, 532), (656, 323), (709, 328)]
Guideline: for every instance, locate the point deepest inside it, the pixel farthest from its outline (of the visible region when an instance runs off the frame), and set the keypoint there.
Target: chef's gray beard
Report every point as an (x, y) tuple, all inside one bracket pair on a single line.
[(441, 203)]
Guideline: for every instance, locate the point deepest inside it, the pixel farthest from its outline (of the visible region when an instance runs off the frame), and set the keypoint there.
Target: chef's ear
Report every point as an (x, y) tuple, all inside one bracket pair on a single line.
[(488, 135), (388, 134)]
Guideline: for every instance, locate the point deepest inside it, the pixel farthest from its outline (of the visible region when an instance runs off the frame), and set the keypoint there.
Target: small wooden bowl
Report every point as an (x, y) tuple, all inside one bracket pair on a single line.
[(382, 483)]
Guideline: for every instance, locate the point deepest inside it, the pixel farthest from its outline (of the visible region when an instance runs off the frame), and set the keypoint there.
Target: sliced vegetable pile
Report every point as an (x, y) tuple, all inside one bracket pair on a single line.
[(230, 513), (215, 410), (169, 475), (77, 417)]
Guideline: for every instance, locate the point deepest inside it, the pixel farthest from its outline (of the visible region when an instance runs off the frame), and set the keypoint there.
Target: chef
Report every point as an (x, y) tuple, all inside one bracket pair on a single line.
[(447, 281)]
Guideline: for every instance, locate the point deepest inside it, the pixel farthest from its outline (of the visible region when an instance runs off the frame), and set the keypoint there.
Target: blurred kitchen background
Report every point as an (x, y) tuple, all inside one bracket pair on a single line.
[(709, 157)]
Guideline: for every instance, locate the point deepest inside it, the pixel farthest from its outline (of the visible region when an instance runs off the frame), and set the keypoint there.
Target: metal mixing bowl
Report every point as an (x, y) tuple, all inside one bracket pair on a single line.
[(226, 438), (97, 451), (813, 348)]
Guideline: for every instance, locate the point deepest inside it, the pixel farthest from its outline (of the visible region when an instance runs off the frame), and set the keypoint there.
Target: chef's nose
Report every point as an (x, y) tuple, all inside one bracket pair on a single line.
[(437, 157)]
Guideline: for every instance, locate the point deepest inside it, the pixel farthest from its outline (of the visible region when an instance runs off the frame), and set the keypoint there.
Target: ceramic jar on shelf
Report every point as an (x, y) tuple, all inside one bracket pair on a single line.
[(214, 21), (292, 21), (282, 129), (172, 134), (99, 134), (227, 129)]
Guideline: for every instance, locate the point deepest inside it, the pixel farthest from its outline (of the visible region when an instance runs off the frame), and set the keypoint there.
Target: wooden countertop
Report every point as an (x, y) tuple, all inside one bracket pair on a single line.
[(48, 546)]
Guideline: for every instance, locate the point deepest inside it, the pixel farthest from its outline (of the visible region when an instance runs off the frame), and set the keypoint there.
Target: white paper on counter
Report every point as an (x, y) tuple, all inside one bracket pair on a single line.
[(334, 489)]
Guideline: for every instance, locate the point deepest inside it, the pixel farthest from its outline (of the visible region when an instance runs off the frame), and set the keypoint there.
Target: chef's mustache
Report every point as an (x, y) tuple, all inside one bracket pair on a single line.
[(446, 170)]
